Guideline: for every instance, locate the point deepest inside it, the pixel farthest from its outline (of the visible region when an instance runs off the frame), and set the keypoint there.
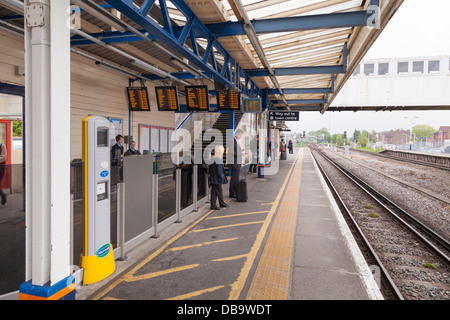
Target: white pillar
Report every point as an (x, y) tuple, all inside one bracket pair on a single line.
[(47, 120)]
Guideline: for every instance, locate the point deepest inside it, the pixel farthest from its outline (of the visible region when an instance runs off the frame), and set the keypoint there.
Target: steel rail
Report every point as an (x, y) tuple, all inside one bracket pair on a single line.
[(387, 280), (420, 162), (374, 194)]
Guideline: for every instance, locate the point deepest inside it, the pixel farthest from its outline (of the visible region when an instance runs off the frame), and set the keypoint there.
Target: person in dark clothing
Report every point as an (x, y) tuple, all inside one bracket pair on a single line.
[(235, 166), (116, 160), (117, 151), (132, 151), (291, 146), (254, 148), (217, 177)]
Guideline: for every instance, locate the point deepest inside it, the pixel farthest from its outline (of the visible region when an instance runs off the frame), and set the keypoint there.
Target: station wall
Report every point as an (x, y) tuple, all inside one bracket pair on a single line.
[(94, 90)]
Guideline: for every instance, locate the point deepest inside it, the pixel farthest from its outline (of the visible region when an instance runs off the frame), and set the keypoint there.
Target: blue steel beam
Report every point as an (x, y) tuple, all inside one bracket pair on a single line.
[(109, 37), (296, 71), (310, 22), (301, 90), (229, 28), (300, 101), (170, 38)]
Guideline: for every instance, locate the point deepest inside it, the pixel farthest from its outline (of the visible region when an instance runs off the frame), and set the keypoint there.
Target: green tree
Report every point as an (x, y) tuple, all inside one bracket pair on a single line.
[(356, 135), (422, 130), (373, 136), (364, 138), (333, 138), (340, 140)]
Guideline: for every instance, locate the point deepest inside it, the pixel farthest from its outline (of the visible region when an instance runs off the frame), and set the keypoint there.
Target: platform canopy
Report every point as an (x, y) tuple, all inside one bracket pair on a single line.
[(295, 54)]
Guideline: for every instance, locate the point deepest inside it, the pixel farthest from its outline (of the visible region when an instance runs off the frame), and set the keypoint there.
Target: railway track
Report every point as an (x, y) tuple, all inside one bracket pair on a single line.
[(402, 247), (415, 161)]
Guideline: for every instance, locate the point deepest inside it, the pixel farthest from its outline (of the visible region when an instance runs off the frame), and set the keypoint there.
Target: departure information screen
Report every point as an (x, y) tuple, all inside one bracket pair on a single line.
[(167, 98), (197, 98), (229, 101), (251, 105), (138, 99)]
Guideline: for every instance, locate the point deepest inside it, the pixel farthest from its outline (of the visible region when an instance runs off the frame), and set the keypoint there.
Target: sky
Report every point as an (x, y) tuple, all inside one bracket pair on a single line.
[(418, 28)]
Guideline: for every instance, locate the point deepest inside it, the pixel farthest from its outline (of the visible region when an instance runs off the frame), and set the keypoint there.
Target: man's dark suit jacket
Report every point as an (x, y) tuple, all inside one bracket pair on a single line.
[(237, 155)]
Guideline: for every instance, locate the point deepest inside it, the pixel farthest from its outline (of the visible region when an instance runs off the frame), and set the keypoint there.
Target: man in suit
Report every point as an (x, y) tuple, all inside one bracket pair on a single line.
[(117, 151), (132, 151), (254, 148), (235, 166)]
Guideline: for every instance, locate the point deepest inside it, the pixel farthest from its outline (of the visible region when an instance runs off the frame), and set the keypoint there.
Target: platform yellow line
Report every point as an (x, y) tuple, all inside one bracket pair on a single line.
[(236, 215), (150, 257), (228, 226), (131, 278), (272, 277), (238, 285), (195, 293), (231, 258), (201, 244)]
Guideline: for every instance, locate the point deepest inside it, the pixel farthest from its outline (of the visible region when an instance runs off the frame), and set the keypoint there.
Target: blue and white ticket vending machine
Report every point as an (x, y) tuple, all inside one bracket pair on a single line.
[(97, 259)]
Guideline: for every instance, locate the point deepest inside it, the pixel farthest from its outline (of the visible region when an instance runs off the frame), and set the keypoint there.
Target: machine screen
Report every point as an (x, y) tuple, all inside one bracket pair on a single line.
[(102, 137)]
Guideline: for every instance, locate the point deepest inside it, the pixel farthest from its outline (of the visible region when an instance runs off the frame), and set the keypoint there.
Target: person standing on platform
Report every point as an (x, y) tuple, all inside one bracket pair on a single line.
[(254, 148), (217, 178), (3, 157), (236, 164), (117, 151), (132, 151), (282, 146), (291, 146), (116, 159)]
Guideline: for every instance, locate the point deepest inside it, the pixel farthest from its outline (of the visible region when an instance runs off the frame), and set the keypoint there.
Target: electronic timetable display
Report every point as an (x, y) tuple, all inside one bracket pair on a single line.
[(251, 105), (229, 101), (167, 98), (138, 99), (197, 98)]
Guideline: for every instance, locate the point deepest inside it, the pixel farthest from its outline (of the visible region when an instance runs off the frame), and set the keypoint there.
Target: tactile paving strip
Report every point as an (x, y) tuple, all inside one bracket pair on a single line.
[(272, 276)]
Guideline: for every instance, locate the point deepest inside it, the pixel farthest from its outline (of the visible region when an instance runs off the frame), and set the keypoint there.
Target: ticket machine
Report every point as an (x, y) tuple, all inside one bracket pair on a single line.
[(97, 259)]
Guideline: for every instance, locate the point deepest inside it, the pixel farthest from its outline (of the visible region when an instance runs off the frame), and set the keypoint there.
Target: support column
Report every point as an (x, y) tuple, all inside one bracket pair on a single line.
[(47, 130), (262, 143)]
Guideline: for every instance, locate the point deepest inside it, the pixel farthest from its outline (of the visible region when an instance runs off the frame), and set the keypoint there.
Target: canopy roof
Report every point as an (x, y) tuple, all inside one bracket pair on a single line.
[(295, 54)]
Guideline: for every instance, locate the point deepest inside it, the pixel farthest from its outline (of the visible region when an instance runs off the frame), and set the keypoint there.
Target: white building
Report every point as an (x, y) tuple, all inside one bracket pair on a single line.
[(398, 83)]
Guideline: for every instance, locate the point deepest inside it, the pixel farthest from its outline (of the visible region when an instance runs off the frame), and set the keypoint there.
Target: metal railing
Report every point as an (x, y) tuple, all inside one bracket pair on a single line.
[(183, 206)]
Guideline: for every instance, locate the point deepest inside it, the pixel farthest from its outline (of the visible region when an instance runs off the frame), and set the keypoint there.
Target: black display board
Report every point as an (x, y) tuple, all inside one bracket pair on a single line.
[(138, 99), (251, 105), (167, 98), (197, 98), (229, 101)]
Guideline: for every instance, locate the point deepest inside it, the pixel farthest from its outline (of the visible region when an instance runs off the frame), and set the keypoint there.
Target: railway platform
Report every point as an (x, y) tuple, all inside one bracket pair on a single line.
[(288, 242)]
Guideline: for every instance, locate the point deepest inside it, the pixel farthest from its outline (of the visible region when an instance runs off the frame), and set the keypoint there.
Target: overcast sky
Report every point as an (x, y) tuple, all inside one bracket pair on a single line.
[(419, 28)]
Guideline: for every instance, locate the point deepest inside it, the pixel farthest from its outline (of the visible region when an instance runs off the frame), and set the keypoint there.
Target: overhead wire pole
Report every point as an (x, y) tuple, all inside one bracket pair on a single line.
[(241, 14)]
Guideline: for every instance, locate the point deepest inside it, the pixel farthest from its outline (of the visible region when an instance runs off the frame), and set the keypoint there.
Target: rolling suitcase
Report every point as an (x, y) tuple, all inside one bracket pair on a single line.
[(283, 155), (242, 195)]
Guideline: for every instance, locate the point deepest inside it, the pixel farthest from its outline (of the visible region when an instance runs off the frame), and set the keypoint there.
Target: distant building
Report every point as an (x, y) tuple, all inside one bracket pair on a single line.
[(398, 136), (442, 134), (397, 84)]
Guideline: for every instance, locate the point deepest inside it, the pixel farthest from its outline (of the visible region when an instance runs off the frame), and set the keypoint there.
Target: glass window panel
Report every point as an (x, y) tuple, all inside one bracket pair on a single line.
[(403, 67), (433, 66), (369, 69), (383, 68), (418, 66)]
